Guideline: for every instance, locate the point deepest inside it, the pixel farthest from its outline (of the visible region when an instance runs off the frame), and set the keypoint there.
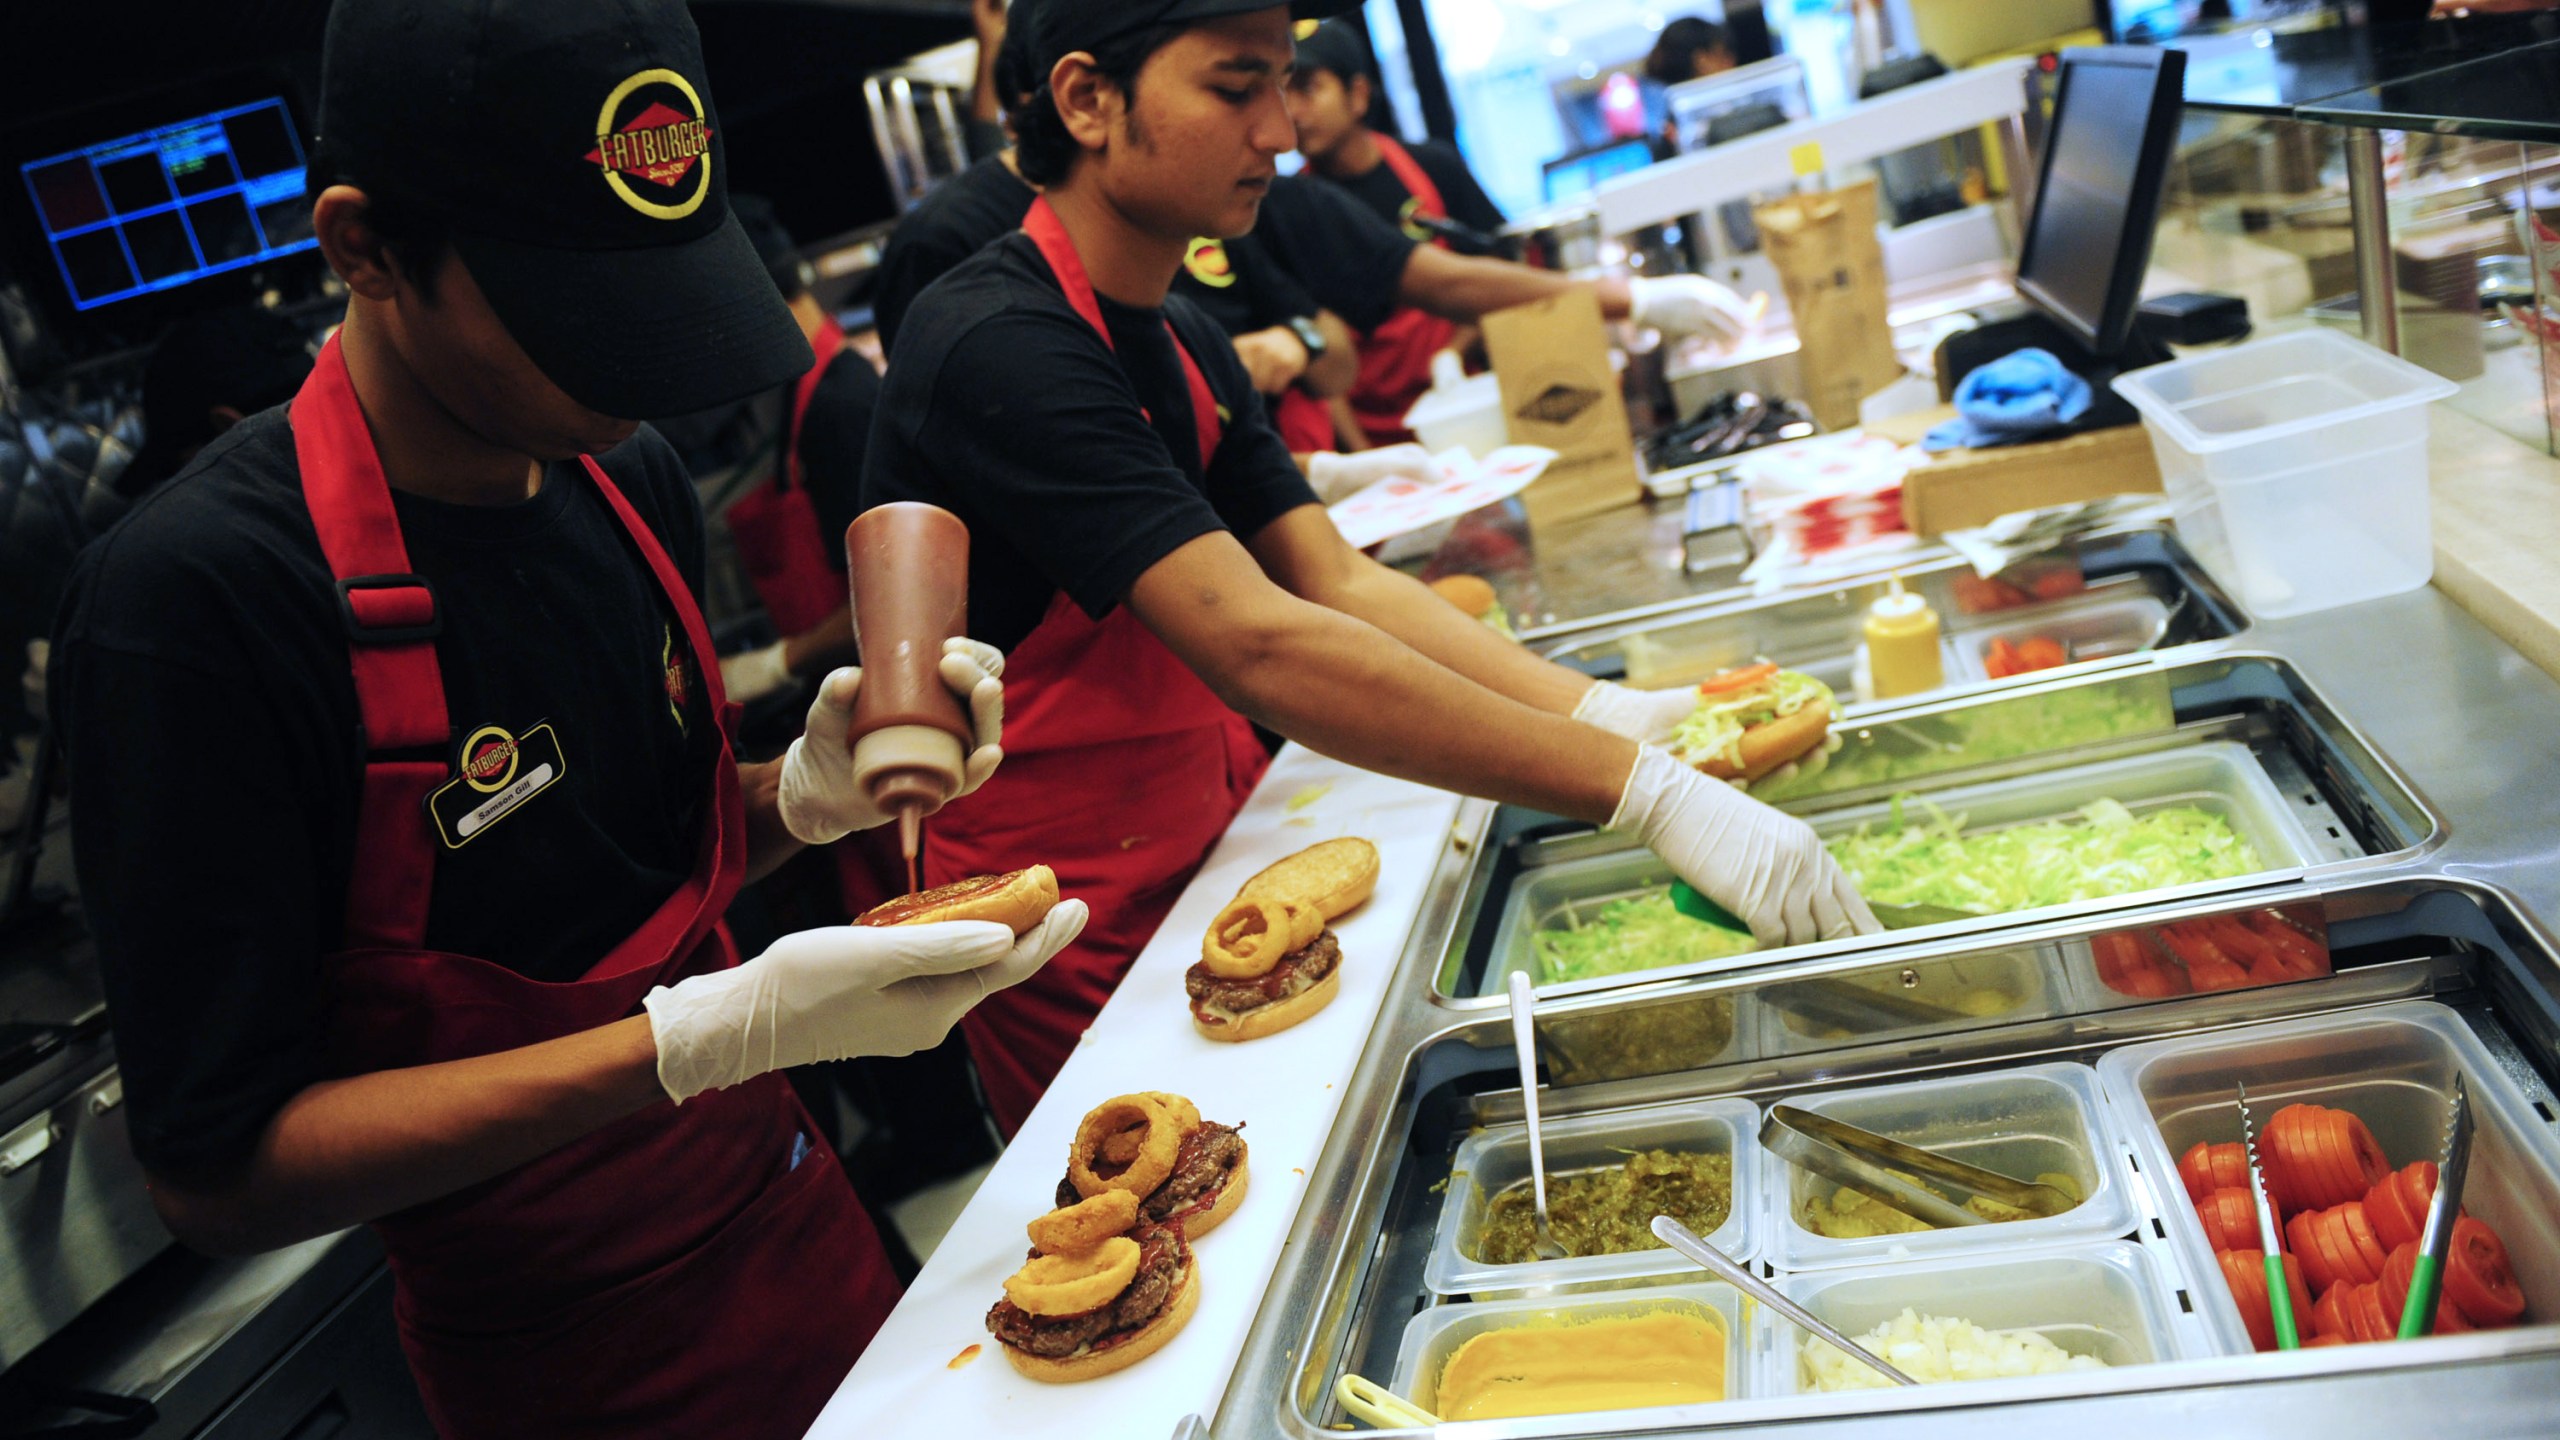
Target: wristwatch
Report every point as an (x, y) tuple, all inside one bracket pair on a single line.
[(1309, 334)]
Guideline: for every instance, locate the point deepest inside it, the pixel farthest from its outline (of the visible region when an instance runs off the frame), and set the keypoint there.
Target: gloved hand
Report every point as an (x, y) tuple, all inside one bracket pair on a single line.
[(1765, 867), (836, 993), (1337, 478), (751, 675), (1645, 716), (1689, 305), (819, 801)]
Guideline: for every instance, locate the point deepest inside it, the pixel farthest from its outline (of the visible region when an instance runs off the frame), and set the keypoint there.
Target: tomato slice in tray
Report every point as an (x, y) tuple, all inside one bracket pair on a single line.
[(2362, 1153), (2329, 1317), (2354, 1263), (2230, 1220), (1742, 679), (2368, 1246), (2364, 1308), (2306, 1246), (2387, 1206), (2479, 1279)]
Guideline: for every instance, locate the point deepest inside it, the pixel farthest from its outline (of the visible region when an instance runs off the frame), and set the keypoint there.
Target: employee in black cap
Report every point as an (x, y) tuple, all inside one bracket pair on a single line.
[(406, 808), (1139, 529)]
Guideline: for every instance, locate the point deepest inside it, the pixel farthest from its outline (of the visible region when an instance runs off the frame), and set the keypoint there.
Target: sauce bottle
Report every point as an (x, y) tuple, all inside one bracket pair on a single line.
[(1903, 657), (910, 570)]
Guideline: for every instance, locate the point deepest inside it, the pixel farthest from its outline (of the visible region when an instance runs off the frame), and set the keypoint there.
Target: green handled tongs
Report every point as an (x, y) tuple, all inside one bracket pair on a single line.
[(2418, 1315), (2279, 1291)]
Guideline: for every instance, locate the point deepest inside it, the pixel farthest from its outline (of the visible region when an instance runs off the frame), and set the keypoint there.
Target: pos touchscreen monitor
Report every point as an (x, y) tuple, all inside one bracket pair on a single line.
[(2115, 120), (155, 210)]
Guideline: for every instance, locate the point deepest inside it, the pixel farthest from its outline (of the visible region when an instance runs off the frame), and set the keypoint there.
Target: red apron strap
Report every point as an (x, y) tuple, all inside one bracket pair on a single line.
[(391, 623), (697, 634), (827, 343), (1059, 249), (1417, 181)]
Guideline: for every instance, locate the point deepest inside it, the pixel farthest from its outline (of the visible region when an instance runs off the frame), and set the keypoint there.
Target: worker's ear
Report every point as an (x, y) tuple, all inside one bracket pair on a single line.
[(1355, 94), (1089, 102), (351, 245)]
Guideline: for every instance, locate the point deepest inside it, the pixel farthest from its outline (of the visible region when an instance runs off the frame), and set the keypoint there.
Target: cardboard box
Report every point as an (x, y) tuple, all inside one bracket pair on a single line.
[(1552, 358), (1960, 489)]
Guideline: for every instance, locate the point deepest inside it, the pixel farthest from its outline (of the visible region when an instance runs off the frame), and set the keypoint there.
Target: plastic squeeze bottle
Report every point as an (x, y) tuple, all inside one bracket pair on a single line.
[(910, 569), (1903, 657)]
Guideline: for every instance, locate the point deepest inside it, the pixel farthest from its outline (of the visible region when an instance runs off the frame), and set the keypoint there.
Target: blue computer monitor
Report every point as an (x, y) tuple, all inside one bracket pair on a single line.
[(1579, 174), (166, 207)]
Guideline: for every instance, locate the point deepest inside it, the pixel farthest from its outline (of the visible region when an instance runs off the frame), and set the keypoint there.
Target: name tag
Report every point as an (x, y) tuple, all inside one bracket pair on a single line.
[(499, 773)]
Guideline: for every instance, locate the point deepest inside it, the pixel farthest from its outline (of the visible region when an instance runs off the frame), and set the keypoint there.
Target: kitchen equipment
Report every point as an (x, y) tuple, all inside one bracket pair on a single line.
[(1679, 1237), (2270, 1249), (2418, 1315), (1524, 1044), (1430, 1339), (1368, 1400), (1874, 1165), (1912, 917)]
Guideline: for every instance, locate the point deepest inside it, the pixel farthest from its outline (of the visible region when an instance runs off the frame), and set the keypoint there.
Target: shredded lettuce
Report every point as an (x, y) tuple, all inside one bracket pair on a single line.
[(2106, 851), (1628, 935), (1714, 729)]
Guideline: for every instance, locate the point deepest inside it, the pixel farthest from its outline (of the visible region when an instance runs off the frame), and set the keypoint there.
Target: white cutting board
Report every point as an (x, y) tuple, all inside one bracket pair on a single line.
[(1285, 1090)]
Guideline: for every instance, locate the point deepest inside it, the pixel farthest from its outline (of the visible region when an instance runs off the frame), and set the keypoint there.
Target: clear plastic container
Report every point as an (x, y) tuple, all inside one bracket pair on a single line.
[(2109, 1300), (1999, 986), (2297, 467), (2089, 631), (1492, 1161), (1436, 1334), (2393, 1068), (2045, 1119)]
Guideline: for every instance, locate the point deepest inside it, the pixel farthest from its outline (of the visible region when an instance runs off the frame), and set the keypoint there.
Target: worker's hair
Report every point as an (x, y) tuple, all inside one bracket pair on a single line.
[(1044, 149), (1675, 54)]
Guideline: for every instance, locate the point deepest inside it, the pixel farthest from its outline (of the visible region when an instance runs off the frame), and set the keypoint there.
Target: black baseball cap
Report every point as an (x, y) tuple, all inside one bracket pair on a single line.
[(571, 148), (1338, 46), (1063, 27)]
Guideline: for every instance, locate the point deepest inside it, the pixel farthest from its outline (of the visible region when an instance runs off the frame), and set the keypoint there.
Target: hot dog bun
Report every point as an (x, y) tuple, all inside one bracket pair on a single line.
[(1766, 747), (1019, 901)]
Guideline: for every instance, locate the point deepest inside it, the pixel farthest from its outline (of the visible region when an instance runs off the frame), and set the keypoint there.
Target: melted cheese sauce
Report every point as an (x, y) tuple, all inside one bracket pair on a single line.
[(1669, 1357)]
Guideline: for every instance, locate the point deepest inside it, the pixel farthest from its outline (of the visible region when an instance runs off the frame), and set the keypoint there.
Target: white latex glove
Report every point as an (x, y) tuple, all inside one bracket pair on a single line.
[(819, 801), (751, 675), (840, 992), (1645, 716), (1767, 868), (1337, 478), (1689, 305)]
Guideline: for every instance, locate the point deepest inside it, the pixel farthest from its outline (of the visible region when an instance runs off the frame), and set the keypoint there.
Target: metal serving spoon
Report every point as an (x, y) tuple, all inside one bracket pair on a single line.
[(1524, 1045)]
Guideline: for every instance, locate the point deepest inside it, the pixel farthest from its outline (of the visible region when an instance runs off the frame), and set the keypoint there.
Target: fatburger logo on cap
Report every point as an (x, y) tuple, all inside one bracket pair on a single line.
[(652, 131)]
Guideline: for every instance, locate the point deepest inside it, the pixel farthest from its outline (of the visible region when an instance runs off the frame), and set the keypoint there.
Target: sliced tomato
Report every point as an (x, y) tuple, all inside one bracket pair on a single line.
[(2399, 1272), (2056, 583), (2230, 1220), (1742, 679), (2364, 1154), (2195, 1171), (2286, 1157), (2245, 1272), (2368, 1248), (2327, 1167), (2365, 1315), (2207, 1167), (2329, 1317), (2479, 1279), (2001, 660), (2395, 1221), (2349, 1258), (2231, 1169), (2314, 1342), (2306, 1245), (2042, 653)]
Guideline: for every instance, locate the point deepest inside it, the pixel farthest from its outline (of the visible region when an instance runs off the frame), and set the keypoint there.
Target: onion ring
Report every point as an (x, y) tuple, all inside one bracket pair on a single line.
[(1156, 1152), (1246, 940), (1122, 1148), (1074, 1284), (1085, 1224), (1184, 1113)]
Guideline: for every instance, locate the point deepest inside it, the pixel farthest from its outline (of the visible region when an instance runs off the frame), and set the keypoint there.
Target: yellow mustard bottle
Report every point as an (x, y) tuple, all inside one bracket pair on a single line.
[(1903, 657)]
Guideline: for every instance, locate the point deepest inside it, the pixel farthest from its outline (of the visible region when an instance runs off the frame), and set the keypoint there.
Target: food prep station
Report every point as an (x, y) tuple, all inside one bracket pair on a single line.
[(2386, 764)]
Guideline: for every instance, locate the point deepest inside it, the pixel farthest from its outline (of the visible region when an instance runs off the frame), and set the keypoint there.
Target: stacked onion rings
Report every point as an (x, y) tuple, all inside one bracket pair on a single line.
[(1074, 1284), (1159, 1140), (1085, 1224), (1251, 936)]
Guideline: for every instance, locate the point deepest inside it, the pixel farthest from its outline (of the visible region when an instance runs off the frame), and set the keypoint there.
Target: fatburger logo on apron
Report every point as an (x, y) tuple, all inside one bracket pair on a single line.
[(653, 145), (1208, 263), (1409, 217)]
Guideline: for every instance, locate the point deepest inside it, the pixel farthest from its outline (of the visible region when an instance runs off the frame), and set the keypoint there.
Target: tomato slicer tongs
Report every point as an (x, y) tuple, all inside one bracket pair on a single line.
[(1877, 1167), (2435, 1243)]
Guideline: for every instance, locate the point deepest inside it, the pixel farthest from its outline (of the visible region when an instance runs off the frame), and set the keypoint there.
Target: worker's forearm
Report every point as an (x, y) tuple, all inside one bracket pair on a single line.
[(1335, 685), (823, 646), (347, 1151), (1405, 608), (769, 841), (1468, 288), (1338, 368)]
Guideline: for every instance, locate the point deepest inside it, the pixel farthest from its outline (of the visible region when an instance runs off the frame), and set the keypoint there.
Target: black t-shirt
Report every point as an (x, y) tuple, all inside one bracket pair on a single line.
[(833, 440), (1240, 287), (1348, 259), (201, 678), (955, 220), (1074, 464), (1465, 200)]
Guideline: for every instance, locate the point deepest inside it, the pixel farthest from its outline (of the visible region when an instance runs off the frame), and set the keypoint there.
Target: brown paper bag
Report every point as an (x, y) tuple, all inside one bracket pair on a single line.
[(1558, 391), (1825, 248)]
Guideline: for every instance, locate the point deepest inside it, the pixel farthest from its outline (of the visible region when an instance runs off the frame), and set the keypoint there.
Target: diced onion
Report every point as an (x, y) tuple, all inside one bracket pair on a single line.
[(1934, 1349)]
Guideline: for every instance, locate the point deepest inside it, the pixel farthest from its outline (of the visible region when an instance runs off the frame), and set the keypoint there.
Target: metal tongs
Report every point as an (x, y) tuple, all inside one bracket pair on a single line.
[(2435, 1242), (2270, 1245), (1685, 1241), (1866, 1162)]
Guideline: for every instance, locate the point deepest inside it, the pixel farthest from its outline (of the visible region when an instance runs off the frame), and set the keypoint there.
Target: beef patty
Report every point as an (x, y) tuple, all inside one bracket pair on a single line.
[(1163, 1256), (1298, 972)]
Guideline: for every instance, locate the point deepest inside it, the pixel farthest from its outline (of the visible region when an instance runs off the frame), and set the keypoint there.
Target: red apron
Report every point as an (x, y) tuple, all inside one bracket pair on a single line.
[(1120, 770), (1304, 421), (776, 527), (681, 1272), (1395, 358)]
